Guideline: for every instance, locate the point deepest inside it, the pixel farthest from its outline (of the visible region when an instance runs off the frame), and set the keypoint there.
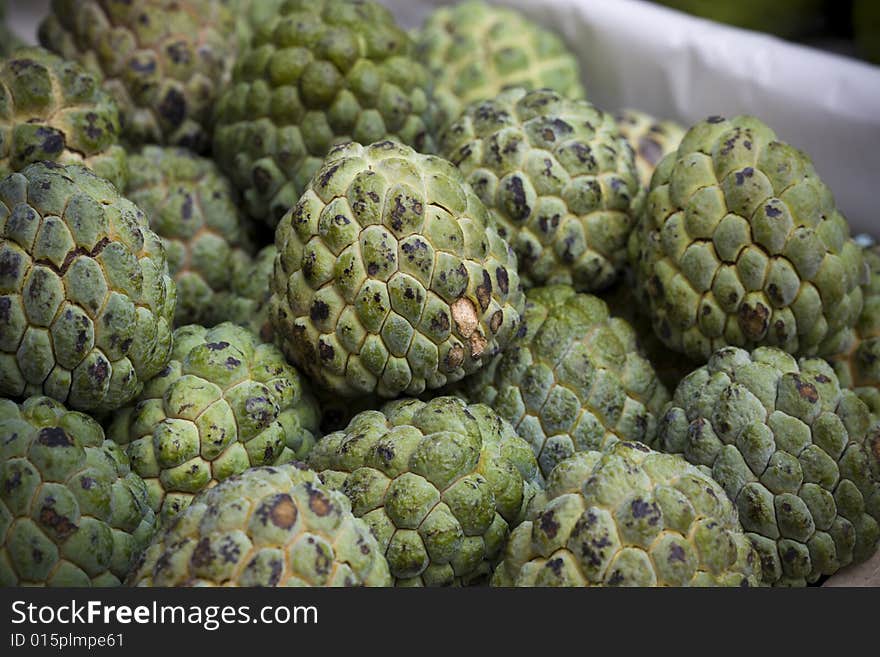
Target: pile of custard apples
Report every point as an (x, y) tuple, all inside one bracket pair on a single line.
[(292, 296)]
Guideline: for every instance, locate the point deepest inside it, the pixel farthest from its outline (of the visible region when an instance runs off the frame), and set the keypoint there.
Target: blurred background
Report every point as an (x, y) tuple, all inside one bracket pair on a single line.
[(802, 66), (846, 27)]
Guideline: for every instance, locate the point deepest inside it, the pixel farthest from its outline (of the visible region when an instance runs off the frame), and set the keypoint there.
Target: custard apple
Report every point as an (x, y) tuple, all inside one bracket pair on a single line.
[(671, 367), (740, 244), (572, 379), (651, 139), (192, 208), (269, 526), (246, 303), (440, 484), (475, 51), (319, 73), (86, 301), (72, 513), (226, 402), (337, 412), (859, 366), (794, 451), (249, 14), (629, 516), (164, 61), (559, 180), (389, 276), (52, 109)]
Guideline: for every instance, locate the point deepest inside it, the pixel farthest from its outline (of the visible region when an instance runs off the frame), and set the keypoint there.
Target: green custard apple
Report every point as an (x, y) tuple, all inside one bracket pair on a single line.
[(164, 61), (192, 207), (651, 139), (741, 244), (86, 301), (474, 51), (858, 367), (440, 484), (225, 402), (795, 452), (316, 74), (52, 109), (390, 277), (72, 513), (572, 379), (269, 526), (559, 179), (630, 516)]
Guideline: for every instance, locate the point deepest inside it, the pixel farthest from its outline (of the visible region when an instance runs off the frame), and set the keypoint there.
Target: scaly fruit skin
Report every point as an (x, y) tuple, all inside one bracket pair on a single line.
[(572, 379), (192, 207), (740, 244), (52, 109), (86, 301), (671, 367), (650, 138), (439, 483), (320, 73), (475, 51), (859, 366), (630, 516), (164, 61), (794, 452), (226, 402), (246, 303), (559, 179), (71, 511), (270, 526), (249, 14), (389, 276)]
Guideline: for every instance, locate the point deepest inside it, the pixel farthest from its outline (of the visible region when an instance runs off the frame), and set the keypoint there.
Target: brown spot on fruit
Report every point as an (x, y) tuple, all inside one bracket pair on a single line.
[(806, 389), (319, 503), (319, 311), (454, 357), (440, 323), (63, 527), (54, 437), (327, 175), (283, 512), (478, 344), (496, 321), (202, 555), (325, 351), (464, 316), (484, 291), (754, 320), (548, 524)]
